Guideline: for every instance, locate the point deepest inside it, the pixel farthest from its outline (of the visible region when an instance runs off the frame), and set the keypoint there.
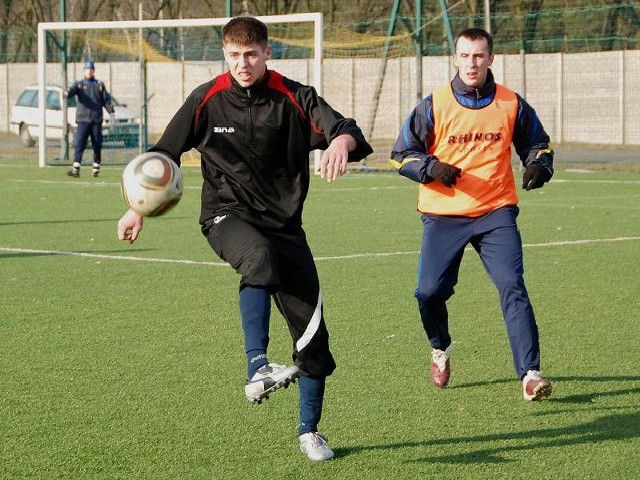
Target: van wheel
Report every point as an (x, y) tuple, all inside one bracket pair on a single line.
[(25, 136)]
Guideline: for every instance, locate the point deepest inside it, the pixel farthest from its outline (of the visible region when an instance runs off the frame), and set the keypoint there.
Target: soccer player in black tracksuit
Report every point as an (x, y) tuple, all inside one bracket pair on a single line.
[(92, 97), (255, 130)]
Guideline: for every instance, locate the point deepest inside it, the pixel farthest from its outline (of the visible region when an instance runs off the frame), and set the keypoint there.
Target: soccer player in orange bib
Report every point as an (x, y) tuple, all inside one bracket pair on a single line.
[(456, 144)]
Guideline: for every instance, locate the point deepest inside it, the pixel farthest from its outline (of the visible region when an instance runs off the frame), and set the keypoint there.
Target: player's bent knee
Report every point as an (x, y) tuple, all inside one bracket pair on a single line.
[(426, 295), (260, 267)]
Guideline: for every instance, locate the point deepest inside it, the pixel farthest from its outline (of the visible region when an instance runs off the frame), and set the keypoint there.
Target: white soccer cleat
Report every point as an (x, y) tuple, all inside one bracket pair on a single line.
[(269, 378), (314, 446)]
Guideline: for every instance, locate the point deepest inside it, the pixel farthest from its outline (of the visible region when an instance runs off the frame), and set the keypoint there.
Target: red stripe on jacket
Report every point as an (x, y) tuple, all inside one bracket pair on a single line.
[(223, 82), (276, 81)]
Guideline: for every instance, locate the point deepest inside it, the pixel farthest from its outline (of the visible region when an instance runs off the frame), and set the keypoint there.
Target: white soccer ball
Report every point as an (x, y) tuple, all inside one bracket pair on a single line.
[(152, 184)]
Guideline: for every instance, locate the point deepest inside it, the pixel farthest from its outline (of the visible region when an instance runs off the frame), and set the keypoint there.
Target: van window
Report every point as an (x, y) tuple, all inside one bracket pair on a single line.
[(28, 98), (53, 100)]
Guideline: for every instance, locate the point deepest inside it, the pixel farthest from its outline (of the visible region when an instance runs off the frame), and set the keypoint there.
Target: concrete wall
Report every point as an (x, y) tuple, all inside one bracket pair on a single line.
[(586, 98)]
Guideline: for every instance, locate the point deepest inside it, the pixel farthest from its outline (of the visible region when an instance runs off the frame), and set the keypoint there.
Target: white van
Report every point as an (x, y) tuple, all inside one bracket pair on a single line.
[(25, 119)]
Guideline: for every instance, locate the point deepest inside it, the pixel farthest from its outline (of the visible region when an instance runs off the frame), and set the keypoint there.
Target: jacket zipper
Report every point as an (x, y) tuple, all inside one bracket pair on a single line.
[(250, 117)]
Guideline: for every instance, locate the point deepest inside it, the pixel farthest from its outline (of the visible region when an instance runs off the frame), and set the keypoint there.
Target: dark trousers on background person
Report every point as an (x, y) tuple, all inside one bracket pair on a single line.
[(85, 131), (496, 238)]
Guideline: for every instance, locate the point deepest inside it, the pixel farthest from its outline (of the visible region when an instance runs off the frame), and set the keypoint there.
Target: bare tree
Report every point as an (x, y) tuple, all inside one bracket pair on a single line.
[(610, 25), (531, 10), (575, 25)]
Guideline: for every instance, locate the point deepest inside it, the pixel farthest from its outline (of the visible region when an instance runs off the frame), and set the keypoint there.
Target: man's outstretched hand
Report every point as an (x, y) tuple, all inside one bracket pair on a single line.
[(129, 226)]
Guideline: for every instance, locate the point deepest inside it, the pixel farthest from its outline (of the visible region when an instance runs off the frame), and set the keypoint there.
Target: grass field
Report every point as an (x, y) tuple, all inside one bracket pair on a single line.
[(126, 362)]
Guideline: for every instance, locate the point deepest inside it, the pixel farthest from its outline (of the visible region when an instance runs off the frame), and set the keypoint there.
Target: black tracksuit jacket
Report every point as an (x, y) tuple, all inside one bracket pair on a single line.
[(255, 144)]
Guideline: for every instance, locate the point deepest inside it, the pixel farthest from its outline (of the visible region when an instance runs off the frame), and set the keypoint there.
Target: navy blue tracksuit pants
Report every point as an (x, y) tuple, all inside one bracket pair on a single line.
[(83, 132), (496, 238)]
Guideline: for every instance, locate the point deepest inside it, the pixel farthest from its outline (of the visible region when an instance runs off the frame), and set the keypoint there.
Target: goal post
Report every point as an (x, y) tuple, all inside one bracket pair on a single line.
[(152, 73)]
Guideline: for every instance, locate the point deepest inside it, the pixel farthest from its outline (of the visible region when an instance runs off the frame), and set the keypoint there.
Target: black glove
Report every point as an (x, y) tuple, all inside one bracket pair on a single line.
[(535, 176), (447, 174)]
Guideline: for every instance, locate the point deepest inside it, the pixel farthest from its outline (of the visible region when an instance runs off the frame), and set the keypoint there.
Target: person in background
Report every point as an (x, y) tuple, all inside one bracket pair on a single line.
[(255, 130), (92, 98), (456, 144)]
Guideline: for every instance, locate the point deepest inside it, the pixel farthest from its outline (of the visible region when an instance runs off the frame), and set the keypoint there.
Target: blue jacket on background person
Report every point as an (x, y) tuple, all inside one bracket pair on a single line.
[(92, 97)]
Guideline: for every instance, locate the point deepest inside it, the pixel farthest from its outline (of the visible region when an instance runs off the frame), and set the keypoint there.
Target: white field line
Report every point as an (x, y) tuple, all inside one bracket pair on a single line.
[(95, 183), (319, 259), (409, 184), (198, 187), (112, 257), (560, 180)]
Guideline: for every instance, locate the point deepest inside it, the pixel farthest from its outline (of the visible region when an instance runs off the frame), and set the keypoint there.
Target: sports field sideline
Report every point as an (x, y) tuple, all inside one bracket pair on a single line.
[(126, 361)]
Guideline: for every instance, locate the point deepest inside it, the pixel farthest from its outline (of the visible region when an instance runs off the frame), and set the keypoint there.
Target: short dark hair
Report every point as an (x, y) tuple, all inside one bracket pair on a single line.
[(245, 31), (475, 34)]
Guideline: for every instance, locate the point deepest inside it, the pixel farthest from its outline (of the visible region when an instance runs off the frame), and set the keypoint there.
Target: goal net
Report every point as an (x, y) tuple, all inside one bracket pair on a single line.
[(149, 67)]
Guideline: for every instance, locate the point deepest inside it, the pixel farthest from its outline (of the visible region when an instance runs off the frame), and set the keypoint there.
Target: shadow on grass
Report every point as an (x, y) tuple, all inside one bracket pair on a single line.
[(482, 383), (578, 398), (570, 399), (611, 427), (590, 396)]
